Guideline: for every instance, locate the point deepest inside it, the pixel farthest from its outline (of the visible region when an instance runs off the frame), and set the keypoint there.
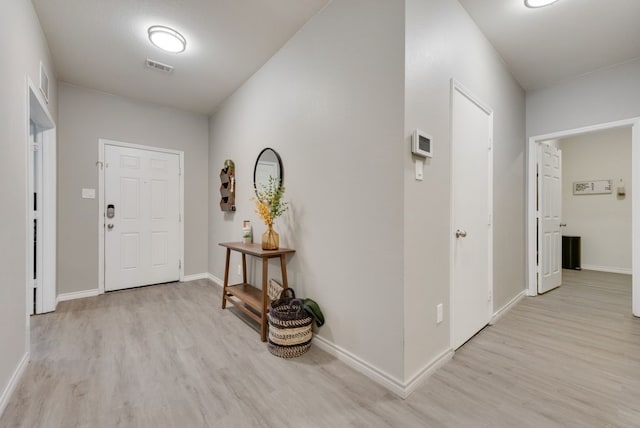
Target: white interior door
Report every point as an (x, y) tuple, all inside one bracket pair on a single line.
[(472, 243), (142, 215), (550, 206)]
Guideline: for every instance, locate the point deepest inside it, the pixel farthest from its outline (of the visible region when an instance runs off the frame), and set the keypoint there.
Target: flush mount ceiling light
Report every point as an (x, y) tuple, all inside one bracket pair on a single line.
[(538, 3), (167, 39)]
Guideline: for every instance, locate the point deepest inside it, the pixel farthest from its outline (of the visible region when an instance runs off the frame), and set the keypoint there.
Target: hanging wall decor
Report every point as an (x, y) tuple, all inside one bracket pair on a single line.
[(228, 186), (594, 187)]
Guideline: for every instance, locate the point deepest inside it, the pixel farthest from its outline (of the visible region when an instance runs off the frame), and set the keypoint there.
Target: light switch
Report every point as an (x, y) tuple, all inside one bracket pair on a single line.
[(88, 193), (419, 169)]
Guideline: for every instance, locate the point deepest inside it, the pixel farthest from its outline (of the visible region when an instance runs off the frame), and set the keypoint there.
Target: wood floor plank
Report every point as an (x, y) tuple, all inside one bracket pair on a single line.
[(167, 356)]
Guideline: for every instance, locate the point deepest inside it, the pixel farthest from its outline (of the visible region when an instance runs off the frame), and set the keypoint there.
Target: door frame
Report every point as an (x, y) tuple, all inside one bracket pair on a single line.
[(457, 86), (102, 142), (532, 143), (37, 109)]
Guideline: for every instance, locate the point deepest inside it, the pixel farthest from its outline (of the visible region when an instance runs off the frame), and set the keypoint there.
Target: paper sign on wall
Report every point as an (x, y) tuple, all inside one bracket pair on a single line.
[(596, 187)]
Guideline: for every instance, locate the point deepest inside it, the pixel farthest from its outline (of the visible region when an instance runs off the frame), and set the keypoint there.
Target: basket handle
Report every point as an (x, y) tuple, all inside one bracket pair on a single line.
[(283, 293), (300, 304)]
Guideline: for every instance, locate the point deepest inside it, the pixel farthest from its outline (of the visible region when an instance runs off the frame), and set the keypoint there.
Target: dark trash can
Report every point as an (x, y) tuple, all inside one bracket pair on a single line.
[(571, 252)]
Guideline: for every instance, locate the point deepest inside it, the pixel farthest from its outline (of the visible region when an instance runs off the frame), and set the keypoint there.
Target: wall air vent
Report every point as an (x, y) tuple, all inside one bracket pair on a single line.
[(159, 66)]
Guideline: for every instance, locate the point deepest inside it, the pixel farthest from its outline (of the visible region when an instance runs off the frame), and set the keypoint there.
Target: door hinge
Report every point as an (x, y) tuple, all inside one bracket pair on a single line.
[(179, 217), (35, 147), (489, 219), (179, 171), (35, 283), (179, 264)]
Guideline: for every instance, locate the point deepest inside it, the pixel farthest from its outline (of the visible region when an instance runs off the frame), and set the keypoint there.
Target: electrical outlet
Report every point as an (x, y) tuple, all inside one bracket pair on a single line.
[(239, 270), (439, 311)]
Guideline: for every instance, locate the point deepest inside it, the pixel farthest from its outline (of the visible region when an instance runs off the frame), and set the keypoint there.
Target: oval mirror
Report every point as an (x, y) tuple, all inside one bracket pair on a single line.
[(268, 165)]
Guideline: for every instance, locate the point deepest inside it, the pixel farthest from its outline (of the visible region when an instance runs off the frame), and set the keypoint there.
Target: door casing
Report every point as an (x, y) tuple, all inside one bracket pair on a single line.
[(101, 208), (37, 111)]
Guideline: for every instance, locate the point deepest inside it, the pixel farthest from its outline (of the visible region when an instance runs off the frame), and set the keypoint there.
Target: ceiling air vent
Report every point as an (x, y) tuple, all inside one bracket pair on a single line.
[(159, 66)]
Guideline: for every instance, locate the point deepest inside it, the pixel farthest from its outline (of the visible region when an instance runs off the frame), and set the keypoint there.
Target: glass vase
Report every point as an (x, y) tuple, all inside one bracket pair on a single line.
[(270, 239)]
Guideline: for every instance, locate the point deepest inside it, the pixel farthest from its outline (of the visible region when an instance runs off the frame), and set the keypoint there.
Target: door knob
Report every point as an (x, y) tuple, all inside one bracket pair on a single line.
[(461, 233), (110, 226)]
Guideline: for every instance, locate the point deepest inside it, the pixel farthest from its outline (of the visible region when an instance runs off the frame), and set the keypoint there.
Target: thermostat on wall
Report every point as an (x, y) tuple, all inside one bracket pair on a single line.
[(421, 144)]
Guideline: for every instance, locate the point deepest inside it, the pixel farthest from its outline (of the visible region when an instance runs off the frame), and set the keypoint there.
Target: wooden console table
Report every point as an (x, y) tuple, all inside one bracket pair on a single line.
[(251, 300)]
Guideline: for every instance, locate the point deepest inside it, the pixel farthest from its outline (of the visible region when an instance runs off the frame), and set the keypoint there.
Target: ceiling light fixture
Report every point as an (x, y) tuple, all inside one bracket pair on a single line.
[(538, 3), (167, 39)]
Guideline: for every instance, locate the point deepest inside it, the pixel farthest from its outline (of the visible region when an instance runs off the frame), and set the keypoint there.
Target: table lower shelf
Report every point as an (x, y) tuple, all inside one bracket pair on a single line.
[(246, 299)]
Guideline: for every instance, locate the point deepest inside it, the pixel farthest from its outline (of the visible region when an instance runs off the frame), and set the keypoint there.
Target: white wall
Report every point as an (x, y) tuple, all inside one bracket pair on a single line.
[(21, 54), (331, 103), (603, 221), (87, 115), (599, 97), (443, 43)]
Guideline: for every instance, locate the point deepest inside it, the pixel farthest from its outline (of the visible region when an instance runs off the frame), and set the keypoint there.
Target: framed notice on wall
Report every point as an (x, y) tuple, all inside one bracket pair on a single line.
[(596, 187)]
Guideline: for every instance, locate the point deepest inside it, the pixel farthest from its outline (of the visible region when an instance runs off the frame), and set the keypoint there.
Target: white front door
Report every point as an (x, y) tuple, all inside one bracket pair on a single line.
[(550, 210), (142, 215), (472, 207)]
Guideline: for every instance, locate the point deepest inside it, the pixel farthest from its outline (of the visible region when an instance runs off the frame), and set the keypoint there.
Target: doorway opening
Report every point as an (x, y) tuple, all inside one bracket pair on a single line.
[(41, 205), (536, 254)]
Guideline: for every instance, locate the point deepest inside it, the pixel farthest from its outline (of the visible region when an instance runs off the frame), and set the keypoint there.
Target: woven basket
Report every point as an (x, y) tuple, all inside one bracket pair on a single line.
[(290, 331)]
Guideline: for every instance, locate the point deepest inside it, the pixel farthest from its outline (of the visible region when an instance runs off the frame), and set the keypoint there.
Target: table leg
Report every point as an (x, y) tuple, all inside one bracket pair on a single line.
[(244, 268), (283, 267), (226, 279), (265, 271)]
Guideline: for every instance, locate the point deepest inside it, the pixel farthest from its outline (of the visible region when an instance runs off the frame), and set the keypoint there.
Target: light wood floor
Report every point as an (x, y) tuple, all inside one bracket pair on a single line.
[(167, 356)]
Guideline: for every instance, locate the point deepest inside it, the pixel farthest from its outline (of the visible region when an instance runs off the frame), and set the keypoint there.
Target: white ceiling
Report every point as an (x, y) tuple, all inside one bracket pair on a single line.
[(103, 44), (564, 40)]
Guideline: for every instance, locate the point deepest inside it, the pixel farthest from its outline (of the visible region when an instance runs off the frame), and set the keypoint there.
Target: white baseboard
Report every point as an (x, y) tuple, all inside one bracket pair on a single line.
[(506, 308), (13, 382), (90, 293), (195, 277), (379, 376), (217, 281), (610, 269), (427, 371), (348, 358), (372, 372), (76, 295)]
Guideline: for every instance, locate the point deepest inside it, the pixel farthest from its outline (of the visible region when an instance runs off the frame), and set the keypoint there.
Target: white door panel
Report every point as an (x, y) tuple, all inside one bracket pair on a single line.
[(471, 213), (159, 249), (549, 238), (141, 240), (158, 199)]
